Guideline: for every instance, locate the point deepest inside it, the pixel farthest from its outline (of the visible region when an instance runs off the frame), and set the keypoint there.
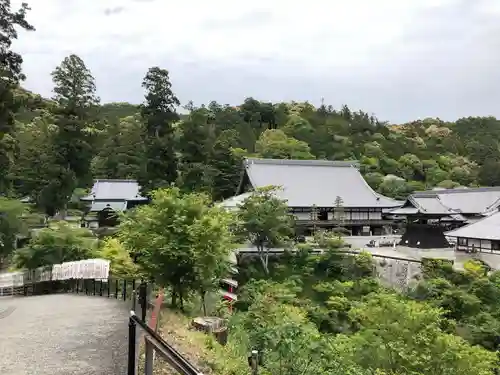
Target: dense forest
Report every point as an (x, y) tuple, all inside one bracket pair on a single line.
[(306, 314), (202, 149), (56, 145)]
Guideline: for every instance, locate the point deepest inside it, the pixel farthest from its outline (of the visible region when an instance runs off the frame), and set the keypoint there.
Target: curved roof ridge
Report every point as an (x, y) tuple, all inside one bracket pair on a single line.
[(306, 163)]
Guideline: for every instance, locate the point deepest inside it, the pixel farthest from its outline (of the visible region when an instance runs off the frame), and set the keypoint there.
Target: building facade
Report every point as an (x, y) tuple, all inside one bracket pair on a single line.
[(430, 214), (320, 194), (481, 236), (107, 198)]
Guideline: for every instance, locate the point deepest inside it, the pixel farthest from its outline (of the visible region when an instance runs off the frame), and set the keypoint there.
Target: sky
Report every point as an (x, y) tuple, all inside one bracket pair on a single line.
[(400, 60)]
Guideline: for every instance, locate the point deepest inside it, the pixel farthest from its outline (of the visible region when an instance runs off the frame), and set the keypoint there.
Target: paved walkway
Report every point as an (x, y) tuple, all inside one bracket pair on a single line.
[(63, 335)]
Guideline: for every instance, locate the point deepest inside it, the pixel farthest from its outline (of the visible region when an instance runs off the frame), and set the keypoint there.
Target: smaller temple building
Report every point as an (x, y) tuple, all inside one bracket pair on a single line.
[(429, 214), (109, 197), (480, 236), (320, 194)]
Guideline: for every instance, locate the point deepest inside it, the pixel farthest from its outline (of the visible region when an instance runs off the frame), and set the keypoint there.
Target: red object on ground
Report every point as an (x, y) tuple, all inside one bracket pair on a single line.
[(153, 322)]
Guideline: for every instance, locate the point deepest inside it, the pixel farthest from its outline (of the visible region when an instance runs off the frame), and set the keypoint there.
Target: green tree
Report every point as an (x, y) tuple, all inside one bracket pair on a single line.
[(11, 225), (374, 179), (489, 173), (289, 342), (265, 222), (121, 263), (299, 128), (74, 90), (226, 167), (195, 142), (55, 245), (121, 153), (410, 166), (393, 186), (11, 75), (159, 115), (339, 211), (397, 335), (275, 144), (35, 160), (180, 240), (448, 184)]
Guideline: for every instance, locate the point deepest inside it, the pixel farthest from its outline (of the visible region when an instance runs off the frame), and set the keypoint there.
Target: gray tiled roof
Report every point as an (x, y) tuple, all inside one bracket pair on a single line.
[(453, 201), (487, 229), (128, 190), (316, 182)]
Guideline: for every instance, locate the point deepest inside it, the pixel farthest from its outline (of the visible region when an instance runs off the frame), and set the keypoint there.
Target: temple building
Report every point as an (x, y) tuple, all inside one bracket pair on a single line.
[(480, 236), (320, 194), (429, 214), (107, 198)]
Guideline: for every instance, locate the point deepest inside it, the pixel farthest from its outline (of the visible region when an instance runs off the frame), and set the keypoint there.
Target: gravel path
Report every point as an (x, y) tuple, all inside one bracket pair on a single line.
[(63, 335)]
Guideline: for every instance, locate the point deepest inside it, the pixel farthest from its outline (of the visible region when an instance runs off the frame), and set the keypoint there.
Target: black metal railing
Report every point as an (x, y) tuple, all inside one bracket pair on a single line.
[(136, 291), (154, 343)]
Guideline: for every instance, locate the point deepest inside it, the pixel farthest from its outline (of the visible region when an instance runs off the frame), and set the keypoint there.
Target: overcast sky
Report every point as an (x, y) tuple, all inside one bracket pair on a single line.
[(398, 59)]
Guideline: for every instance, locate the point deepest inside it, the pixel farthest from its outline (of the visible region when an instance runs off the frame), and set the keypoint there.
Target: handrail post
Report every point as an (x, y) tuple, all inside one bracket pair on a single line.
[(149, 361), (125, 289), (132, 336), (134, 301), (143, 299)]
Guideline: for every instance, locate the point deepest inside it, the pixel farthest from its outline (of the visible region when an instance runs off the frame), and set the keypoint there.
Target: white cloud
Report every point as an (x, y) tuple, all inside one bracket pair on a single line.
[(318, 38), (348, 31)]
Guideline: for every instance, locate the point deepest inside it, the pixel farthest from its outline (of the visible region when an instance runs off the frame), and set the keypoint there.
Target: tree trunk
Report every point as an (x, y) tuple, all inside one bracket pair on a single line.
[(174, 298), (203, 302), (264, 258)]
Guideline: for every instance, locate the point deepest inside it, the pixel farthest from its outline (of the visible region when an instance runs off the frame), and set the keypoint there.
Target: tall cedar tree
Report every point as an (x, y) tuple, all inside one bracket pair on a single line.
[(72, 145), (226, 167), (10, 76), (195, 142), (159, 114)]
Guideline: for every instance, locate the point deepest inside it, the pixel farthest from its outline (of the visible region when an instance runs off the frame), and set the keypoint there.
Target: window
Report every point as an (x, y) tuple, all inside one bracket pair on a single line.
[(323, 215)]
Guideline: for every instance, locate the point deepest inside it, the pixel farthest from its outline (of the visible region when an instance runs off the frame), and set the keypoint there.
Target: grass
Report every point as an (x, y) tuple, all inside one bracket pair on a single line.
[(175, 328)]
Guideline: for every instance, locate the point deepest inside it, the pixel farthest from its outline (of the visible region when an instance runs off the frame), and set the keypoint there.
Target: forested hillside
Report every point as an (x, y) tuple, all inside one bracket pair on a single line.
[(206, 145)]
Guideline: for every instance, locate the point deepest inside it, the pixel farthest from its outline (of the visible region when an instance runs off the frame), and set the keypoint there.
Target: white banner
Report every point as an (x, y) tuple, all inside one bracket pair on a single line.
[(97, 269)]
